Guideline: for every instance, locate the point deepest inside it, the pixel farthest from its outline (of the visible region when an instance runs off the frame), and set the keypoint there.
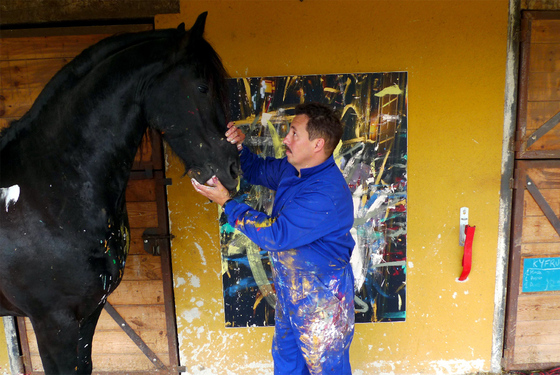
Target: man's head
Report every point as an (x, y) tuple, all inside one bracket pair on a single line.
[(323, 123), (314, 133)]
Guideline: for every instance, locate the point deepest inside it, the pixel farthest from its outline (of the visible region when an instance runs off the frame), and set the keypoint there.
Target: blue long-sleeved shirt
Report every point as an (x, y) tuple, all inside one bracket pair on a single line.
[(312, 214)]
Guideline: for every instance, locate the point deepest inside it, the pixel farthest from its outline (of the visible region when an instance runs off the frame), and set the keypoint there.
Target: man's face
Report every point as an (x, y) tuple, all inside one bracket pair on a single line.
[(299, 149)]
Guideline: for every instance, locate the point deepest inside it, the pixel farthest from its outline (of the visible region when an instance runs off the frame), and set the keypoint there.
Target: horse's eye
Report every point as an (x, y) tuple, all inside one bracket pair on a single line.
[(203, 89)]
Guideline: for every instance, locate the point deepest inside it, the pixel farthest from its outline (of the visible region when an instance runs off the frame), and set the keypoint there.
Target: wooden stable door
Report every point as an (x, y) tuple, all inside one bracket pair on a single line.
[(136, 333), (533, 305)]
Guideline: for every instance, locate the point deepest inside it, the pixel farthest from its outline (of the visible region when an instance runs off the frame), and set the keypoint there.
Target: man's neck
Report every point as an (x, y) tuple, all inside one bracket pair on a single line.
[(313, 163)]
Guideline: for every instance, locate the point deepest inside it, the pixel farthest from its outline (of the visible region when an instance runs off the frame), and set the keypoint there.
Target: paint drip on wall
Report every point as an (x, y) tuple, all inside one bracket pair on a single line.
[(373, 159)]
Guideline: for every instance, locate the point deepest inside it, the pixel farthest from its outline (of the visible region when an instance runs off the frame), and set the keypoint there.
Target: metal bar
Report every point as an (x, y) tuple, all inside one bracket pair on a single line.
[(167, 272), (543, 204), (545, 128), (134, 337)]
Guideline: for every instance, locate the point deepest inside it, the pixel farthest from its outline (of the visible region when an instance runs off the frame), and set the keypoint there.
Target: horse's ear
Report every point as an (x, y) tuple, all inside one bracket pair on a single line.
[(181, 27), (198, 28)]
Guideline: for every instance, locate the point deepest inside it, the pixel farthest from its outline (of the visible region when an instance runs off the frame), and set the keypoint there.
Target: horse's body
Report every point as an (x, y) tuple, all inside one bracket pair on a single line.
[(64, 167)]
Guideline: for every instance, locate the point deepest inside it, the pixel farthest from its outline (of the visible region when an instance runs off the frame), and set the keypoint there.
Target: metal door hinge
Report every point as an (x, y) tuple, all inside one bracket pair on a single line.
[(152, 240)]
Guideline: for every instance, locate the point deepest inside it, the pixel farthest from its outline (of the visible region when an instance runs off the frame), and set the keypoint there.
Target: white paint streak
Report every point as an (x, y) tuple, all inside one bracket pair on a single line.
[(457, 366), (9, 195), (265, 117), (201, 252)]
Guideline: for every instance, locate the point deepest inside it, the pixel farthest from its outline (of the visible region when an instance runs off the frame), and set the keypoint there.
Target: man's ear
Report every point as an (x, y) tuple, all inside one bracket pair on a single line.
[(319, 144)]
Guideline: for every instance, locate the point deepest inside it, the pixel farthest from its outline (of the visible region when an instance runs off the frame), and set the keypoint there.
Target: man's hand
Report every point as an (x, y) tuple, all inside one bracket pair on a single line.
[(235, 135), (215, 191)]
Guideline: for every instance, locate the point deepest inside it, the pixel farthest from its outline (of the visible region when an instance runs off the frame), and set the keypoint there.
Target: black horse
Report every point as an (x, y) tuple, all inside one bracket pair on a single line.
[(65, 164)]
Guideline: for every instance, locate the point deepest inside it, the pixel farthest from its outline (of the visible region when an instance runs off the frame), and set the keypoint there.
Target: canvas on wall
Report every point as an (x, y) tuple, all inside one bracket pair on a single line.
[(373, 159)]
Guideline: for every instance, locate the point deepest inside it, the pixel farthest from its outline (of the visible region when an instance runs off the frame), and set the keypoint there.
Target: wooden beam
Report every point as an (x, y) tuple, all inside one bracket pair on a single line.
[(28, 12)]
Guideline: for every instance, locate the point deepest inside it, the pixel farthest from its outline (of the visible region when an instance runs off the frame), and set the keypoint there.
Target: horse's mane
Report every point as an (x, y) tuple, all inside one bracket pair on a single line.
[(208, 62)]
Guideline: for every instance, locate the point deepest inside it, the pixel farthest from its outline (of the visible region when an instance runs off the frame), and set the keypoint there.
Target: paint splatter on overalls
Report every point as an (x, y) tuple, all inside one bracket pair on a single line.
[(314, 319)]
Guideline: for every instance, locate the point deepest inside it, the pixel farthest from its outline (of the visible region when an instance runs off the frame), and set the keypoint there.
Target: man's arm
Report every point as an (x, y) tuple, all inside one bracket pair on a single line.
[(308, 216)]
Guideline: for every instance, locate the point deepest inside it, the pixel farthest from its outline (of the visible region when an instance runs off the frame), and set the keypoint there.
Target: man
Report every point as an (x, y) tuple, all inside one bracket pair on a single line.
[(308, 238)]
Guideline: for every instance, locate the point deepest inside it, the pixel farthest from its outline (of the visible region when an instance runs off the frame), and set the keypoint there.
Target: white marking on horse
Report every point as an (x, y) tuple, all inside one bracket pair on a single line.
[(9, 195)]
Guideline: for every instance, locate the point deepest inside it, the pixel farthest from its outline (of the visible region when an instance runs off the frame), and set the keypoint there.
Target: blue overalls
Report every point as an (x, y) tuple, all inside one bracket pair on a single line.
[(308, 238)]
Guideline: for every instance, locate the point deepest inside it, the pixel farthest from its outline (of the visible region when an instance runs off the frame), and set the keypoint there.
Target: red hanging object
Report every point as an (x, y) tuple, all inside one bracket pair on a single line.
[(467, 256)]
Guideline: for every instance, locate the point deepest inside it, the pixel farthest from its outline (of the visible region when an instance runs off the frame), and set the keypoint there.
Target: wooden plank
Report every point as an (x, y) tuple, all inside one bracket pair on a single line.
[(113, 351), (17, 12), (136, 242), (537, 354), (539, 307), (141, 190), (138, 317), (540, 112), (531, 208), (545, 31), (538, 229), (541, 5), (142, 214), (123, 363), (118, 363), (540, 249), (538, 333), (147, 292), (544, 86), (118, 342), (545, 177), (545, 57), (22, 81), (142, 267), (47, 47)]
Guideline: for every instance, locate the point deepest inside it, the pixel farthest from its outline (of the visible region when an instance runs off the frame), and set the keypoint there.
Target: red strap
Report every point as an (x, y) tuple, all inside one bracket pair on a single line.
[(467, 256)]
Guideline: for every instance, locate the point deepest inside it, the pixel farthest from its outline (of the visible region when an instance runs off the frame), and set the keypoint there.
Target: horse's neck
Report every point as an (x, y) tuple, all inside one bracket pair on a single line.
[(97, 150)]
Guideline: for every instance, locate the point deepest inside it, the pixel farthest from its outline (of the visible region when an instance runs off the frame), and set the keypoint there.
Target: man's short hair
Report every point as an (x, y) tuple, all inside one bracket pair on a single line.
[(323, 122)]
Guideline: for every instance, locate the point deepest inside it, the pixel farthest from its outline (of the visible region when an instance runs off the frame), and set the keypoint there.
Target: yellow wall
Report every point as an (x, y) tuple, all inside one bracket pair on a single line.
[(4, 359), (455, 53)]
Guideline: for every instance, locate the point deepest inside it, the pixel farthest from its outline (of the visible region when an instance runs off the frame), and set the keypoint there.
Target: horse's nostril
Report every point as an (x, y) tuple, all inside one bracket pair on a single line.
[(234, 169)]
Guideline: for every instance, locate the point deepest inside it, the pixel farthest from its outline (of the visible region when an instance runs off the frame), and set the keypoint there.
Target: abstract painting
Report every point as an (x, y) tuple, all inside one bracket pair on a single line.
[(372, 156)]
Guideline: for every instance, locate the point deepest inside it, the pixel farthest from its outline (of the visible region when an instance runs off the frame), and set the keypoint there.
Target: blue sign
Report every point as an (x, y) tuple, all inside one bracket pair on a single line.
[(541, 274)]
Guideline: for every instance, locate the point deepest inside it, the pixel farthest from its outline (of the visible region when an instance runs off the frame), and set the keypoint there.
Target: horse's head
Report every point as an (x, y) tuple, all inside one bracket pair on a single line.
[(187, 102)]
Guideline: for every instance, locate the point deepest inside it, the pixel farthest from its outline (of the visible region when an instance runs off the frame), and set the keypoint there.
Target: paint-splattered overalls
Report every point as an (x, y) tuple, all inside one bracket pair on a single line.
[(308, 237)]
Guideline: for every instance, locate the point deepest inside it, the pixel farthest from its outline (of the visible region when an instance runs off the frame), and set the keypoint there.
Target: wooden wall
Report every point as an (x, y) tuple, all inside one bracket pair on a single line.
[(533, 323)]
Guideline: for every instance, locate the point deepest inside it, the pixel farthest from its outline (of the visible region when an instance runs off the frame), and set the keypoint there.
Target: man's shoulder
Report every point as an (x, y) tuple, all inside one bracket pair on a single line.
[(328, 183)]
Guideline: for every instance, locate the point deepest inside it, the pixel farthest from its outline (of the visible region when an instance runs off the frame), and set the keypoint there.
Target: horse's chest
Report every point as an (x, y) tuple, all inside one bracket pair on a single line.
[(115, 248)]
